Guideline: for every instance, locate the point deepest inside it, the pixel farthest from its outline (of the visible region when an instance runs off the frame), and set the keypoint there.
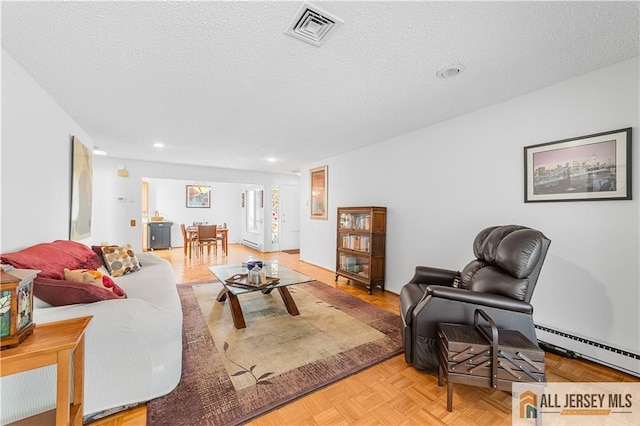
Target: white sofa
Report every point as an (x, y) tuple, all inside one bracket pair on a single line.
[(133, 347)]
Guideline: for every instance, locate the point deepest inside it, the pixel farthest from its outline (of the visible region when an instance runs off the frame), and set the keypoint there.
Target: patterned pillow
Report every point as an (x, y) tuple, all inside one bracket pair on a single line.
[(98, 251), (120, 260), (95, 278)]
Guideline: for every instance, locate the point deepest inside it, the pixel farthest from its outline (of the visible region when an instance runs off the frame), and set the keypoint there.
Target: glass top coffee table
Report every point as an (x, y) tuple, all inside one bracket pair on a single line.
[(278, 277)]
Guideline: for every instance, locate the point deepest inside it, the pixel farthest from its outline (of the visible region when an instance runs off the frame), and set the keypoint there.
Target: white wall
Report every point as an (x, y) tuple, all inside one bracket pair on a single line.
[(36, 161), (168, 197), (443, 183), (112, 216)]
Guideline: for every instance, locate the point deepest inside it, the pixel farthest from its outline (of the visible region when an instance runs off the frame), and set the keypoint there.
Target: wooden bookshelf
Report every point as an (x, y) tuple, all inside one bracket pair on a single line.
[(361, 244)]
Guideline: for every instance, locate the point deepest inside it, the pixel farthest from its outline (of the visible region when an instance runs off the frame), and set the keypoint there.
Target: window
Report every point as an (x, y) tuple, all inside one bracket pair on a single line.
[(275, 212), (254, 207)]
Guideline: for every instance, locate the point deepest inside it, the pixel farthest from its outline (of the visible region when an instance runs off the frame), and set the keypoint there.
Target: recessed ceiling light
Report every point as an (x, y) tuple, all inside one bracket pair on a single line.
[(99, 151), (271, 160), (450, 71), (158, 145)]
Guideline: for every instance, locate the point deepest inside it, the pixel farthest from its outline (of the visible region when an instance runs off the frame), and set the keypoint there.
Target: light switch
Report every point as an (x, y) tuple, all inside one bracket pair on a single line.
[(133, 222)]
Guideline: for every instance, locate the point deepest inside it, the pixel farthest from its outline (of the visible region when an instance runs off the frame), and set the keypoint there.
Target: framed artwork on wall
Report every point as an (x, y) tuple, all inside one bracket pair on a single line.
[(586, 168), (318, 178), (198, 196), (81, 190)]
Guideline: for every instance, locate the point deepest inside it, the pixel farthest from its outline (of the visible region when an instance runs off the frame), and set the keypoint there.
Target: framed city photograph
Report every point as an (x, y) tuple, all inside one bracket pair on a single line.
[(318, 179), (586, 168), (198, 196)]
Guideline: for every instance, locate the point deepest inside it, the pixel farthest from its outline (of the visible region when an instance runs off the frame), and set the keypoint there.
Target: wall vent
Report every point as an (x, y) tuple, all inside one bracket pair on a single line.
[(312, 24)]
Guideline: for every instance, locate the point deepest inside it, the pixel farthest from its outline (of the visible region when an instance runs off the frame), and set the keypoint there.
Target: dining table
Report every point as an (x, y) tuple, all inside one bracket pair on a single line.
[(192, 231)]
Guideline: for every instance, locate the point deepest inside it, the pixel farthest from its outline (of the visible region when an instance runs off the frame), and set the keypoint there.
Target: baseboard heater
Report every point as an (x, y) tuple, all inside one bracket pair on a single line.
[(579, 347), (251, 244)]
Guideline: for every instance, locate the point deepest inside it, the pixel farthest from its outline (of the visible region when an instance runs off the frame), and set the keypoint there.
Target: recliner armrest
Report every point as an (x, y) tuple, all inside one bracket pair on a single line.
[(484, 299), (435, 276)]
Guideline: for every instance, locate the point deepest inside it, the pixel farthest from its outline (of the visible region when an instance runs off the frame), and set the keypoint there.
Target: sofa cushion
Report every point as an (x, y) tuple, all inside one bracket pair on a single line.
[(63, 292), (52, 258), (120, 260), (95, 278)]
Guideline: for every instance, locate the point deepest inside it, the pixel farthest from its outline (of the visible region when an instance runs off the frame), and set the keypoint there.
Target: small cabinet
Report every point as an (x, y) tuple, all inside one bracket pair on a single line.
[(159, 235), (59, 343), (361, 245)]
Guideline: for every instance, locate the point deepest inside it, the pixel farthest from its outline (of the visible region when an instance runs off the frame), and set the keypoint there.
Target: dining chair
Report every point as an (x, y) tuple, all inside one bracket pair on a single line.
[(189, 239), (207, 236), (222, 237)]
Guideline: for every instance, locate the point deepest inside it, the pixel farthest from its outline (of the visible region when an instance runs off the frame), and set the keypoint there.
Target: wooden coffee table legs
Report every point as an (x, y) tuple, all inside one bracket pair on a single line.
[(234, 305), (288, 301), (236, 310)]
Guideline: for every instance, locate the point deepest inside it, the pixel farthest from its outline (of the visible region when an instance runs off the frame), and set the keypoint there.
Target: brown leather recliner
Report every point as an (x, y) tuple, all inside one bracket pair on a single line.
[(500, 281)]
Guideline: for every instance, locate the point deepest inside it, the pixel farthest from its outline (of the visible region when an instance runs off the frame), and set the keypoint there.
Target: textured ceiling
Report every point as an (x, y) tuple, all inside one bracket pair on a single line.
[(222, 85)]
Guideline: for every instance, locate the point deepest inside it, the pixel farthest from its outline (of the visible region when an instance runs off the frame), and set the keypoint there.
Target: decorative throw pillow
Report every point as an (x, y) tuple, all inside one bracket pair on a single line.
[(62, 292), (98, 251), (120, 260), (52, 258), (94, 278)]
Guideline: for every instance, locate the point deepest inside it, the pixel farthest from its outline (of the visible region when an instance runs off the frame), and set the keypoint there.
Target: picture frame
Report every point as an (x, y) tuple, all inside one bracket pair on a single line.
[(198, 196), (81, 190), (586, 168), (318, 192)]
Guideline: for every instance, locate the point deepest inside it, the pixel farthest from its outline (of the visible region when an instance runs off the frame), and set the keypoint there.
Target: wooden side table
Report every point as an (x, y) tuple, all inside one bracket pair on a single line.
[(53, 343)]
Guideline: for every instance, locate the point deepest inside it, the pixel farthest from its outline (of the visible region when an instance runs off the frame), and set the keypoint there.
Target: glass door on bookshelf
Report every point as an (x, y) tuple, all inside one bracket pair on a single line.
[(355, 242), (354, 264), (361, 221)]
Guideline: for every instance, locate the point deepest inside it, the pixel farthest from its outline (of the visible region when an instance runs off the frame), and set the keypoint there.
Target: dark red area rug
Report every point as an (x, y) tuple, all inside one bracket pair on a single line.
[(231, 376)]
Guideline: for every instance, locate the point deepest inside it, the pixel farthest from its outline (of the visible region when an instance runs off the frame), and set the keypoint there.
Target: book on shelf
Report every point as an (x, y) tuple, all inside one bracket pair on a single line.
[(364, 244)]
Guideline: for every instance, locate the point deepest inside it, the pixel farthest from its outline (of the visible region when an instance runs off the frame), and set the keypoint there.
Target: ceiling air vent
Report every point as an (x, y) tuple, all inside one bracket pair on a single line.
[(312, 24)]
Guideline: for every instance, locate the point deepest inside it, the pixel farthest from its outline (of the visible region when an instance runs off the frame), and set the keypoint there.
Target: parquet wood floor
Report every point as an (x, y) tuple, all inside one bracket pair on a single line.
[(390, 393)]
